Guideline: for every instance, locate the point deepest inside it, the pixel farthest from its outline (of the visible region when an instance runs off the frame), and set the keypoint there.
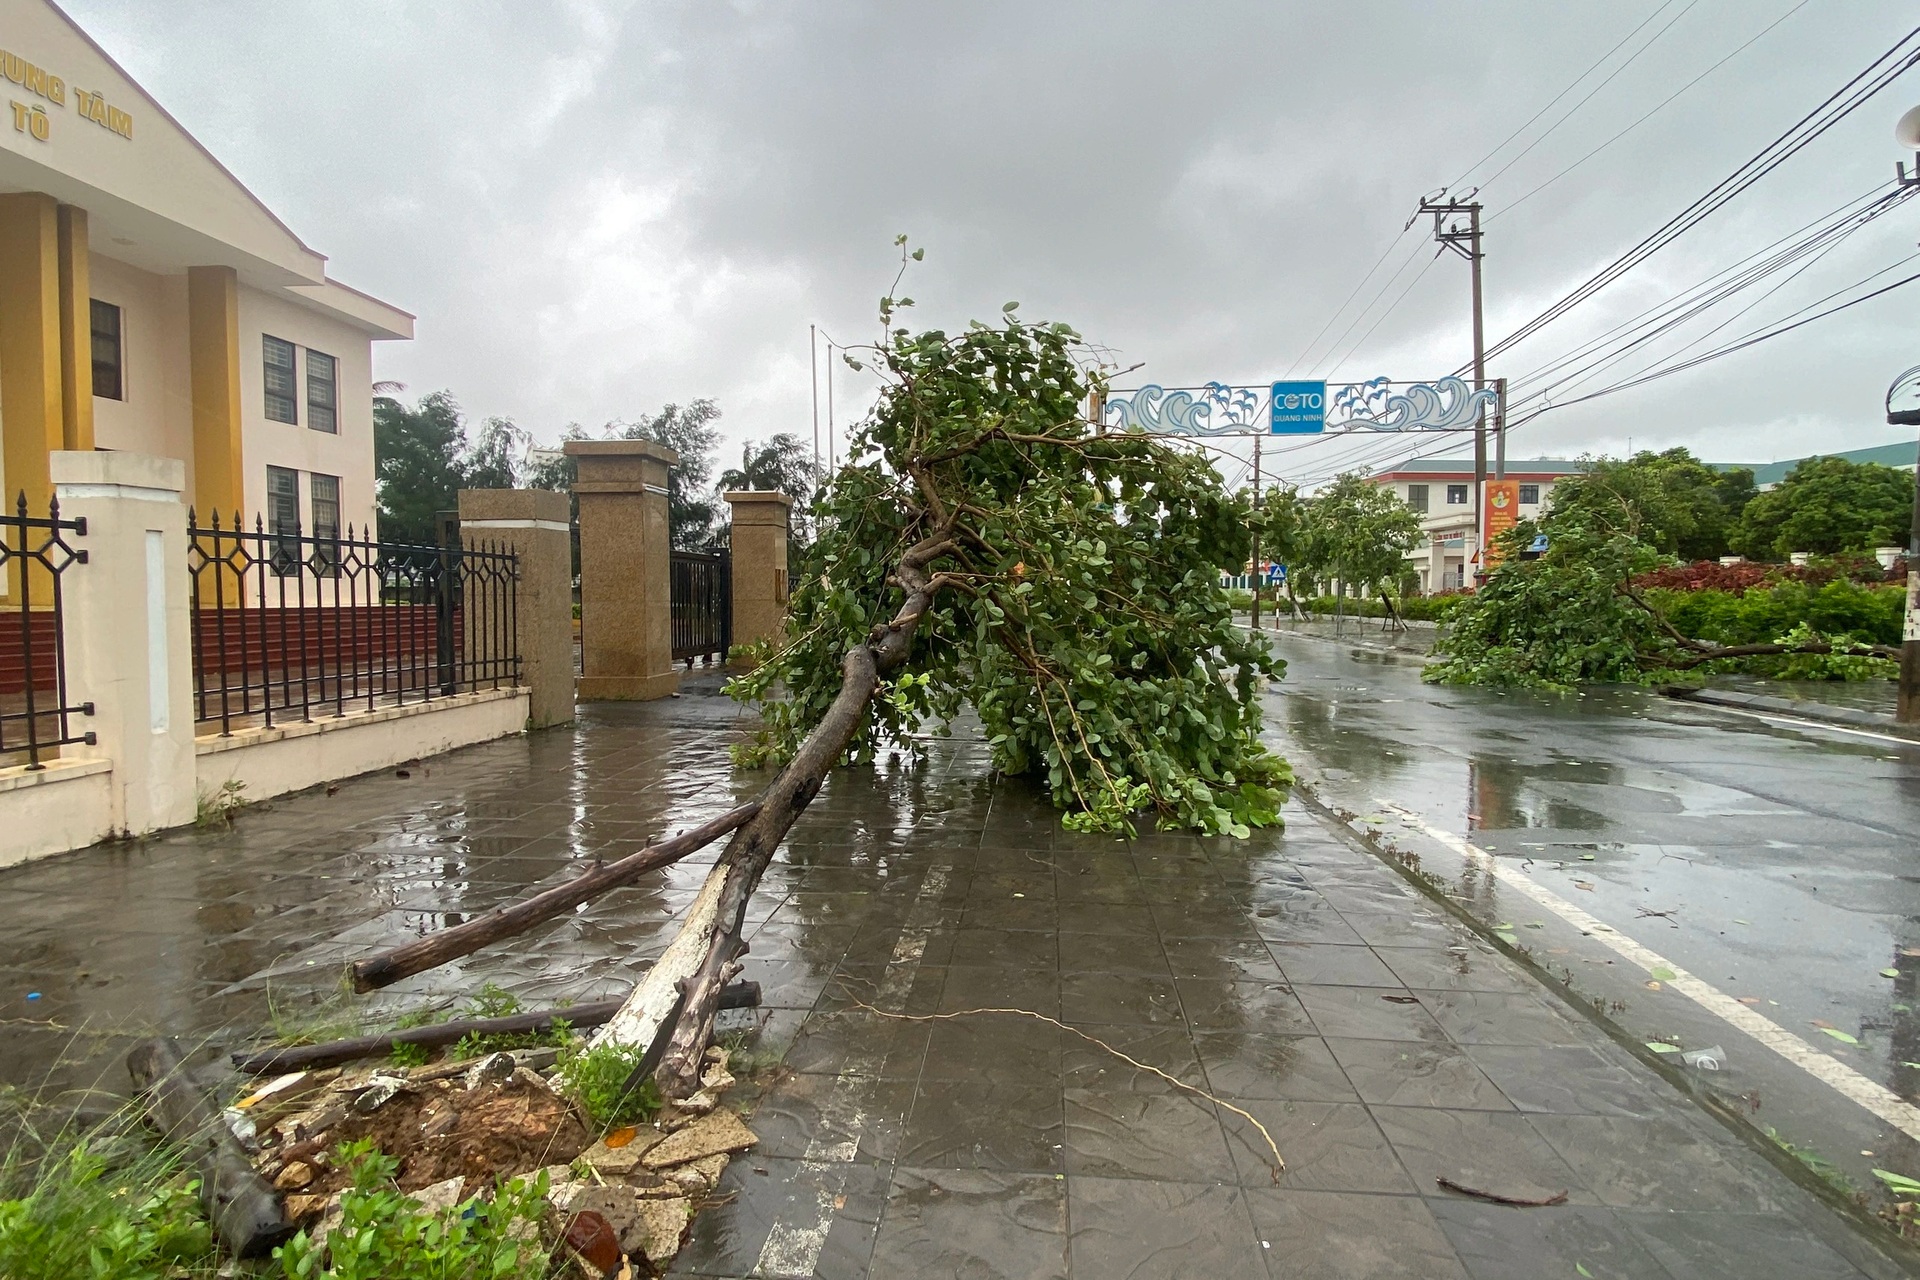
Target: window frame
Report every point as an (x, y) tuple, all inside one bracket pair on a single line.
[(1525, 501), (95, 308), (330, 409), (1419, 497), (283, 551), (269, 369), (326, 533), (1460, 489)]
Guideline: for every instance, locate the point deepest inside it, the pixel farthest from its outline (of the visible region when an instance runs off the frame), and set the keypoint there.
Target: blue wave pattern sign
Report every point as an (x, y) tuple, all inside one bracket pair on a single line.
[(1300, 408)]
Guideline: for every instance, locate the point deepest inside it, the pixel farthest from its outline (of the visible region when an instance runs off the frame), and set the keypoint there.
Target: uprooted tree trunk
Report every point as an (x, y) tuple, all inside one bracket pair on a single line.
[(684, 985), (1700, 652)]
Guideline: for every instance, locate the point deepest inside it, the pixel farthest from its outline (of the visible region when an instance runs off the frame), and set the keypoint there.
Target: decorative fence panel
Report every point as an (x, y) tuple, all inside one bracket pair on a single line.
[(37, 710), (288, 624), (701, 590)]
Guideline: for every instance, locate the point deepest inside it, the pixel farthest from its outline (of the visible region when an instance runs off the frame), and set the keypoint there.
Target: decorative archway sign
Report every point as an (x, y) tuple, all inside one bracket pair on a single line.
[(1299, 408)]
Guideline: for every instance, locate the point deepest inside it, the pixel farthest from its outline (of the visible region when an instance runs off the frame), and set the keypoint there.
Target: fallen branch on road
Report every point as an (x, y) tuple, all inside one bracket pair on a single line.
[(1518, 1202), (464, 939)]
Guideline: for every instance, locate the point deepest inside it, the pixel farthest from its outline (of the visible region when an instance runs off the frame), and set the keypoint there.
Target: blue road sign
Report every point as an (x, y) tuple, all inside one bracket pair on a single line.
[(1276, 574), (1539, 542), (1299, 408)]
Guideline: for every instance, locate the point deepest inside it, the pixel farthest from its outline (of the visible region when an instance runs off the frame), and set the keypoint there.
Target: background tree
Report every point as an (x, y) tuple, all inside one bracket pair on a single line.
[(781, 464), (1679, 505), (1829, 505), (422, 455), (1359, 533), (1282, 522), (692, 507)]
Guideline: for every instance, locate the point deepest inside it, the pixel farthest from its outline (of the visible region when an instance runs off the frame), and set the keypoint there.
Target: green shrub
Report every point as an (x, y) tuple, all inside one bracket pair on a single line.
[(596, 1078), (94, 1205), (1760, 615), (384, 1234)]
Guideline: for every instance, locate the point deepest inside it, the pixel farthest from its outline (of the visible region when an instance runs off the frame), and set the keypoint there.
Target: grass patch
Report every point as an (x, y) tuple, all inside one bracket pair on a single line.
[(1816, 1164), (216, 808), (596, 1078), (99, 1200)]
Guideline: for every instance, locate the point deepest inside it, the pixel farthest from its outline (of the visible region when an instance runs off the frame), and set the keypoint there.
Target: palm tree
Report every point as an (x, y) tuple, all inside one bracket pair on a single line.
[(782, 464)]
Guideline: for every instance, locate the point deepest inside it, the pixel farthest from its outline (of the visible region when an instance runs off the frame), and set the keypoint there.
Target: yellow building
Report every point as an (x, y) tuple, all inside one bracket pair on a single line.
[(149, 302)]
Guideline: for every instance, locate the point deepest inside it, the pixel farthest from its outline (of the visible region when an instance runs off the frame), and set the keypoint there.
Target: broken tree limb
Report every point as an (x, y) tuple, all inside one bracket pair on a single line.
[(241, 1205), (657, 998), (443, 945), (740, 995), (884, 650)]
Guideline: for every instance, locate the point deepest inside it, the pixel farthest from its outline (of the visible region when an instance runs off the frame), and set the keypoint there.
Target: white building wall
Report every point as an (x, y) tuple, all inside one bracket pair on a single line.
[(347, 454), (155, 412)]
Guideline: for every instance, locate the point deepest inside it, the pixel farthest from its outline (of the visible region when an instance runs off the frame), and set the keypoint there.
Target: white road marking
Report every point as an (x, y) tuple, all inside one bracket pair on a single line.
[(1872, 1095), (1794, 722), (793, 1245)]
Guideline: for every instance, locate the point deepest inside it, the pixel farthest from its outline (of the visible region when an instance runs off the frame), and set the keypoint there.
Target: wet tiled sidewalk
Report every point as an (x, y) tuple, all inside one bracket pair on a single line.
[(1291, 975)]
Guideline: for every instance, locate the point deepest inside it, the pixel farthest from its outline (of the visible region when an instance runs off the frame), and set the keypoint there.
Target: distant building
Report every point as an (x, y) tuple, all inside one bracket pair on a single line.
[(1441, 490), (149, 302), (1768, 474)]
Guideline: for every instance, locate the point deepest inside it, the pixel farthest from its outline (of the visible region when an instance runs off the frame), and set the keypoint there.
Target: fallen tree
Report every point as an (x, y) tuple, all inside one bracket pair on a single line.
[(985, 547), (1575, 616)]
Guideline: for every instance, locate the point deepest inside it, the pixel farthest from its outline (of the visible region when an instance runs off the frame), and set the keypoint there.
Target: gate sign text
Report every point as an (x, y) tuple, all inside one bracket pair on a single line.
[(1299, 408)]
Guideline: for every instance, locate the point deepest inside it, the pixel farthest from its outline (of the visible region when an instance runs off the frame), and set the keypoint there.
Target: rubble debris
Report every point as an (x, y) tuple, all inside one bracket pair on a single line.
[(592, 1239), (721, 1131), (490, 1070)]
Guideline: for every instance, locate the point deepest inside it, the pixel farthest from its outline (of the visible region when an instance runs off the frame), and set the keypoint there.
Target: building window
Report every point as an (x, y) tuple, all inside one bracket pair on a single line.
[(322, 374), (1417, 497), (1456, 495), (325, 495), (279, 380), (106, 351), (283, 519), (1529, 495)]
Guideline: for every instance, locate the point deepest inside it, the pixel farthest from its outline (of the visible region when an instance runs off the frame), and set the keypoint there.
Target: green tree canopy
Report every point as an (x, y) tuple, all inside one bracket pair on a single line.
[(1063, 583), (1829, 505), (422, 456), (1671, 501), (692, 507), (1358, 532)]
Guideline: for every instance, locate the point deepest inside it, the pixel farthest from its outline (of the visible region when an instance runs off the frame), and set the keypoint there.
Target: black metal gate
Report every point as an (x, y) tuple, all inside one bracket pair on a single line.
[(702, 606)]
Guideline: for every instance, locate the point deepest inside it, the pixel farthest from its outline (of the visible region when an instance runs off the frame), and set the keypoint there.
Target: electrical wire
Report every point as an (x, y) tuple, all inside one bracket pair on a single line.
[(1662, 105), (1881, 72), (1394, 244)]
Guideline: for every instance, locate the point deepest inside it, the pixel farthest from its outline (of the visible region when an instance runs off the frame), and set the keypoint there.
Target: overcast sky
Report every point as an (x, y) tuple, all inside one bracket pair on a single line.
[(597, 208)]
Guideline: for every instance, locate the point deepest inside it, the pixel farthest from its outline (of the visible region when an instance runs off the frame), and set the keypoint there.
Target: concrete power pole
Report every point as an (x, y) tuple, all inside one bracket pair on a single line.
[(1907, 710), (1465, 241)]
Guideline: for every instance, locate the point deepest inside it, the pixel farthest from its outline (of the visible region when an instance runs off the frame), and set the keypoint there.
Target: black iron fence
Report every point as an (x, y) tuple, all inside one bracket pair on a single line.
[(701, 596), (37, 710), (287, 624)]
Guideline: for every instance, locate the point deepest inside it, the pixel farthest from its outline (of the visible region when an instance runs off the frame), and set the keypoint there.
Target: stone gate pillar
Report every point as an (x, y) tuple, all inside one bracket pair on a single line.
[(535, 526), (626, 642), (760, 522)]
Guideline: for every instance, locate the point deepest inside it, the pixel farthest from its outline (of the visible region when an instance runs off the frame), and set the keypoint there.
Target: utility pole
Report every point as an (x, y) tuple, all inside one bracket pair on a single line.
[(1449, 233), (813, 368), (1907, 709), (1500, 429), (1257, 576)]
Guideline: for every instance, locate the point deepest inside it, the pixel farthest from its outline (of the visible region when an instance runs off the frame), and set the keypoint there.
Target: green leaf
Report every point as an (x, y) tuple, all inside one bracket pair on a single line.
[(1581, 1267), (1889, 973), (1660, 973), (1839, 1035), (1899, 1183), (1009, 307), (1661, 1046)]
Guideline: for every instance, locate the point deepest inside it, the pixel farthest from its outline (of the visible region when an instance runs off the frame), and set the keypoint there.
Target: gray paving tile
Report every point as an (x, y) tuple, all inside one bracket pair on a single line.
[(972, 1124), (1327, 1146), (973, 1223), (1171, 1136), (1631, 1163), (1252, 1064), (1416, 1073), (1126, 1229), (728, 1238), (1501, 1243), (1487, 1150), (1332, 964), (1369, 1013), (1705, 1246), (1320, 1235)]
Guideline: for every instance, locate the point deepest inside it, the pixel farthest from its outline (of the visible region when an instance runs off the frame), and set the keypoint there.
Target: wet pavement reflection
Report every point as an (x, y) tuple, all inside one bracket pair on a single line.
[(1380, 1042), (1776, 863)]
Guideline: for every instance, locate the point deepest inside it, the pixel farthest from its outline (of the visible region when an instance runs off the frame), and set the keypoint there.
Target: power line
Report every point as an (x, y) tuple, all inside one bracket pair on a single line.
[(1803, 132), (1349, 298), (1656, 110), (1574, 84), (1651, 40)]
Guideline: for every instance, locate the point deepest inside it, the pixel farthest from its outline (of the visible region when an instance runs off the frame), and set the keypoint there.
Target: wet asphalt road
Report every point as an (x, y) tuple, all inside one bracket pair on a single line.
[(1780, 864)]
